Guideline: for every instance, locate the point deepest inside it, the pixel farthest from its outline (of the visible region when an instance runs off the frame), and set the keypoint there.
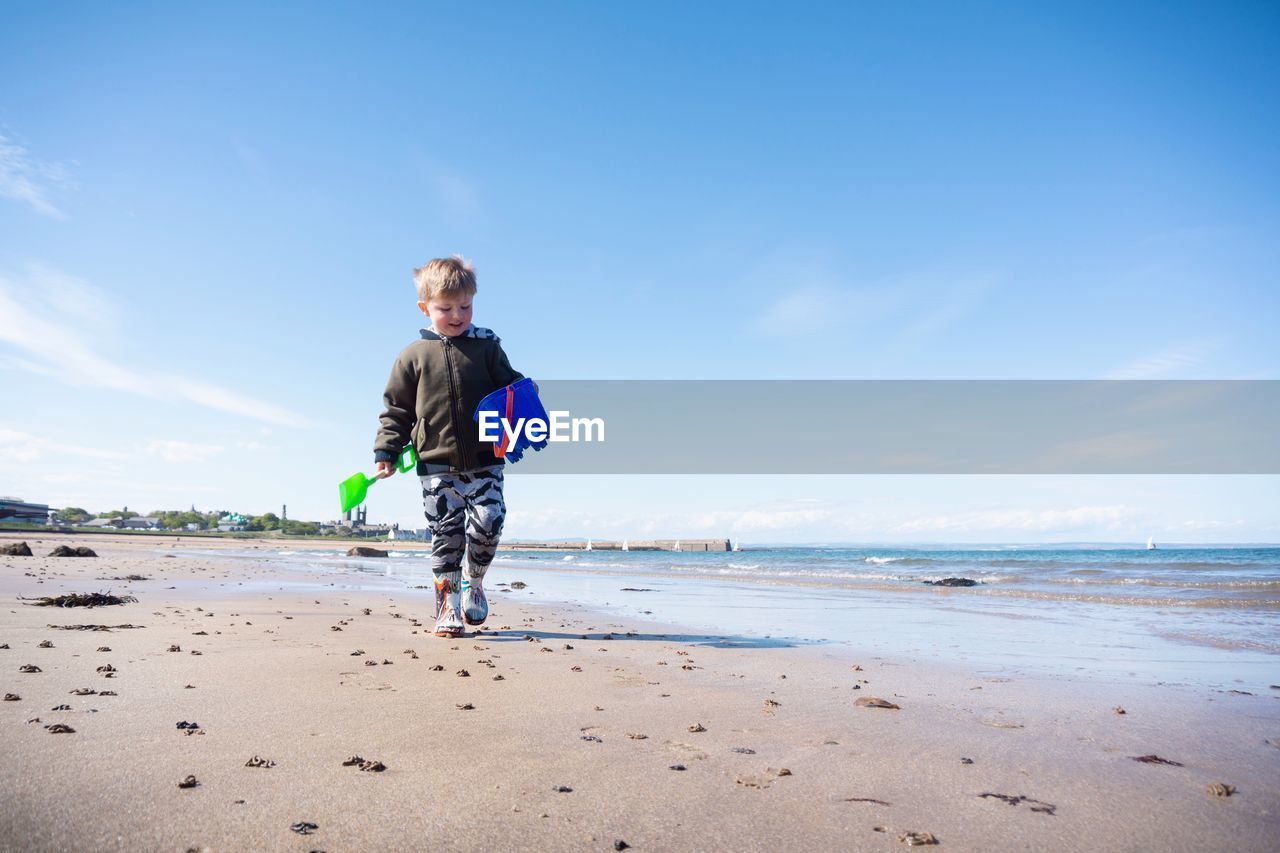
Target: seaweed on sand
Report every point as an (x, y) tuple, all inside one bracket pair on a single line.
[(80, 599)]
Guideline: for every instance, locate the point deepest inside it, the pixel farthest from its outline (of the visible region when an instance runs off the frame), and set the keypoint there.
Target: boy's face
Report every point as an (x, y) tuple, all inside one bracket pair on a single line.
[(450, 313)]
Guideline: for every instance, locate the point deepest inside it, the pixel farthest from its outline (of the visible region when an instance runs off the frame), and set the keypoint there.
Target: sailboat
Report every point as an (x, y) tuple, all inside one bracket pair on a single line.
[(624, 545), (737, 546), (1151, 545), (588, 544), (677, 548)]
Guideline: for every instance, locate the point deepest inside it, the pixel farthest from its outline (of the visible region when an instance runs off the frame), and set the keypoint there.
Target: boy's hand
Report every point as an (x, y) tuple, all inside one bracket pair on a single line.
[(382, 470)]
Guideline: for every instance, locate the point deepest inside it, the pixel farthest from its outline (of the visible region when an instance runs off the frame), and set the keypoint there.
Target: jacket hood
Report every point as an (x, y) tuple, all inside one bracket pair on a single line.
[(473, 331)]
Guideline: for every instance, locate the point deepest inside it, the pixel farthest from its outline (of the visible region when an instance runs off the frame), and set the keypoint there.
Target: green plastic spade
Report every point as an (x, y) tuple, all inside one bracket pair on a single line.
[(352, 490)]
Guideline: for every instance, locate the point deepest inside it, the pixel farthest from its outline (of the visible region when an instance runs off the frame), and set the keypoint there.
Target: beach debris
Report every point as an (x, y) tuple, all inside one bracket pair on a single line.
[(782, 771), (697, 727), (953, 582), (966, 760), (175, 648), (912, 838), (1155, 759), (189, 687), (84, 691), (304, 827), (1038, 805), (499, 677), (126, 578), (466, 706), (46, 644), (620, 845), (637, 589), (259, 762), (386, 662), (743, 750), (367, 611), (108, 693), (1220, 789), (575, 669), (637, 736), (188, 726), (371, 663), (107, 669), (196, 652), (437, 668), (518, 584), (875, 702), (365, 551), (60, 729), (189, 782), (334, 628), (568, 648), (80, 599), (29, 667), (199, 633), (16, 549), (366, 765), (62, 707), (562, 789), (867, 800), (770, 704), (104, 648), (12, 697), (462, 673), (68, 551), (857, 667), (593, 738), (677, 767), (1118, 711)]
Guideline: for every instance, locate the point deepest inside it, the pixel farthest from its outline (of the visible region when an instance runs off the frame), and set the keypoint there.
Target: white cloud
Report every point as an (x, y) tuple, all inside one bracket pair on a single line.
[(1106, 518), (183, 451), (27, 179), (24, 448), (1168, 363), (54, 321)]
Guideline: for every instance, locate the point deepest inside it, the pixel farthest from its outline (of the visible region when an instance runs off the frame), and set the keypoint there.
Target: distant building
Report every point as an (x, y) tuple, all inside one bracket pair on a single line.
[(113, 523), (232, 521), (141, 523), (16, 509), (410, 535)]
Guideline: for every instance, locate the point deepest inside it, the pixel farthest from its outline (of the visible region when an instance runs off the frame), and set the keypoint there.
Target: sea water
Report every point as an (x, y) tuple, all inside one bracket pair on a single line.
[(1207, 616)]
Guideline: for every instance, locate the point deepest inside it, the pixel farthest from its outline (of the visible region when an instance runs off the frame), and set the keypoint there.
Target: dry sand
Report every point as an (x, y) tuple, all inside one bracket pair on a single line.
[(573, 741)]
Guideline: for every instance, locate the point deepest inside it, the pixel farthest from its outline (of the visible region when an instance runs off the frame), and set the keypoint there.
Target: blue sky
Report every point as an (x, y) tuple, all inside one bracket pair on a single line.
[(208, 218)]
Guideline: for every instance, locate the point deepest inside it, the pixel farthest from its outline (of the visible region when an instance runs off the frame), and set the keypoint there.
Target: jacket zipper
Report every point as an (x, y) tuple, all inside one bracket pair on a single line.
[(453, 407)]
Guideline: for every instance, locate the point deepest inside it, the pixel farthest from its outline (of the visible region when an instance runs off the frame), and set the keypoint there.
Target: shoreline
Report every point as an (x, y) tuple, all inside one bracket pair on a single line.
[(274, 680)]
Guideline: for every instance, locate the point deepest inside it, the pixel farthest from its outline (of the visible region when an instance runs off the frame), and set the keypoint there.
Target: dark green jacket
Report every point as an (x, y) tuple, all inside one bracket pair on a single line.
[(431, 398)]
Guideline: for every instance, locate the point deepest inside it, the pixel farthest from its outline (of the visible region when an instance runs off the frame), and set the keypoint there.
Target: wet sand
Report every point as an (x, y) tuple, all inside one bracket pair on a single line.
[(567, 732)]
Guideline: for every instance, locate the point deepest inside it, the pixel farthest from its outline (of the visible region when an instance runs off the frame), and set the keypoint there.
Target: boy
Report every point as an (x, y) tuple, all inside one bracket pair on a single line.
[(435, 385)]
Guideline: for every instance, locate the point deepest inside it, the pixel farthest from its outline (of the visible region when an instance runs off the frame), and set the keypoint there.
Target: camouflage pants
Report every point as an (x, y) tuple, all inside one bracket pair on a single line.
[(465, 512)]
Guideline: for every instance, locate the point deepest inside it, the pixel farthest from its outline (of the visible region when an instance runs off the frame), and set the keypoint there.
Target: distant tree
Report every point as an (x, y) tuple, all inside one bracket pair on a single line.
[(118, 513), (72, 515), (300, 528)]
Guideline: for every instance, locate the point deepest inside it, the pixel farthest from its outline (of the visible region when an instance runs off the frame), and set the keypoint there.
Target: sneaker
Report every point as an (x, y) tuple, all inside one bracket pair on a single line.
[(448, 605), (475, 604)]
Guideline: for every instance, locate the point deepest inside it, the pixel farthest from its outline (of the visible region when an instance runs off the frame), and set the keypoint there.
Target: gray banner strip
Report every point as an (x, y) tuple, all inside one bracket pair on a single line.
[(915, 427)]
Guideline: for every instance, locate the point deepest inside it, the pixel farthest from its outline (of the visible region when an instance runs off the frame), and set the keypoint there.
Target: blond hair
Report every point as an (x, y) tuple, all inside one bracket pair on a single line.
[(454, 274)]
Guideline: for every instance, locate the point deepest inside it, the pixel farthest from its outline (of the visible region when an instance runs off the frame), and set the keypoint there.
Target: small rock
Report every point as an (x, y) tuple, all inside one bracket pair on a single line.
[(304, 827), (697, 727), (15, 549), (46, 644), (189, 782), (916, 839), (677, 767), (1221, 789)]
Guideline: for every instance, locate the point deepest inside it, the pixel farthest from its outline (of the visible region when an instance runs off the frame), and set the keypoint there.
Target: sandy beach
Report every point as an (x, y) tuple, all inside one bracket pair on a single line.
[(558, 728)]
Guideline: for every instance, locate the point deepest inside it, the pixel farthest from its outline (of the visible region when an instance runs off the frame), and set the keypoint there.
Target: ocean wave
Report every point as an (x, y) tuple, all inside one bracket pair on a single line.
[(880, 561)]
